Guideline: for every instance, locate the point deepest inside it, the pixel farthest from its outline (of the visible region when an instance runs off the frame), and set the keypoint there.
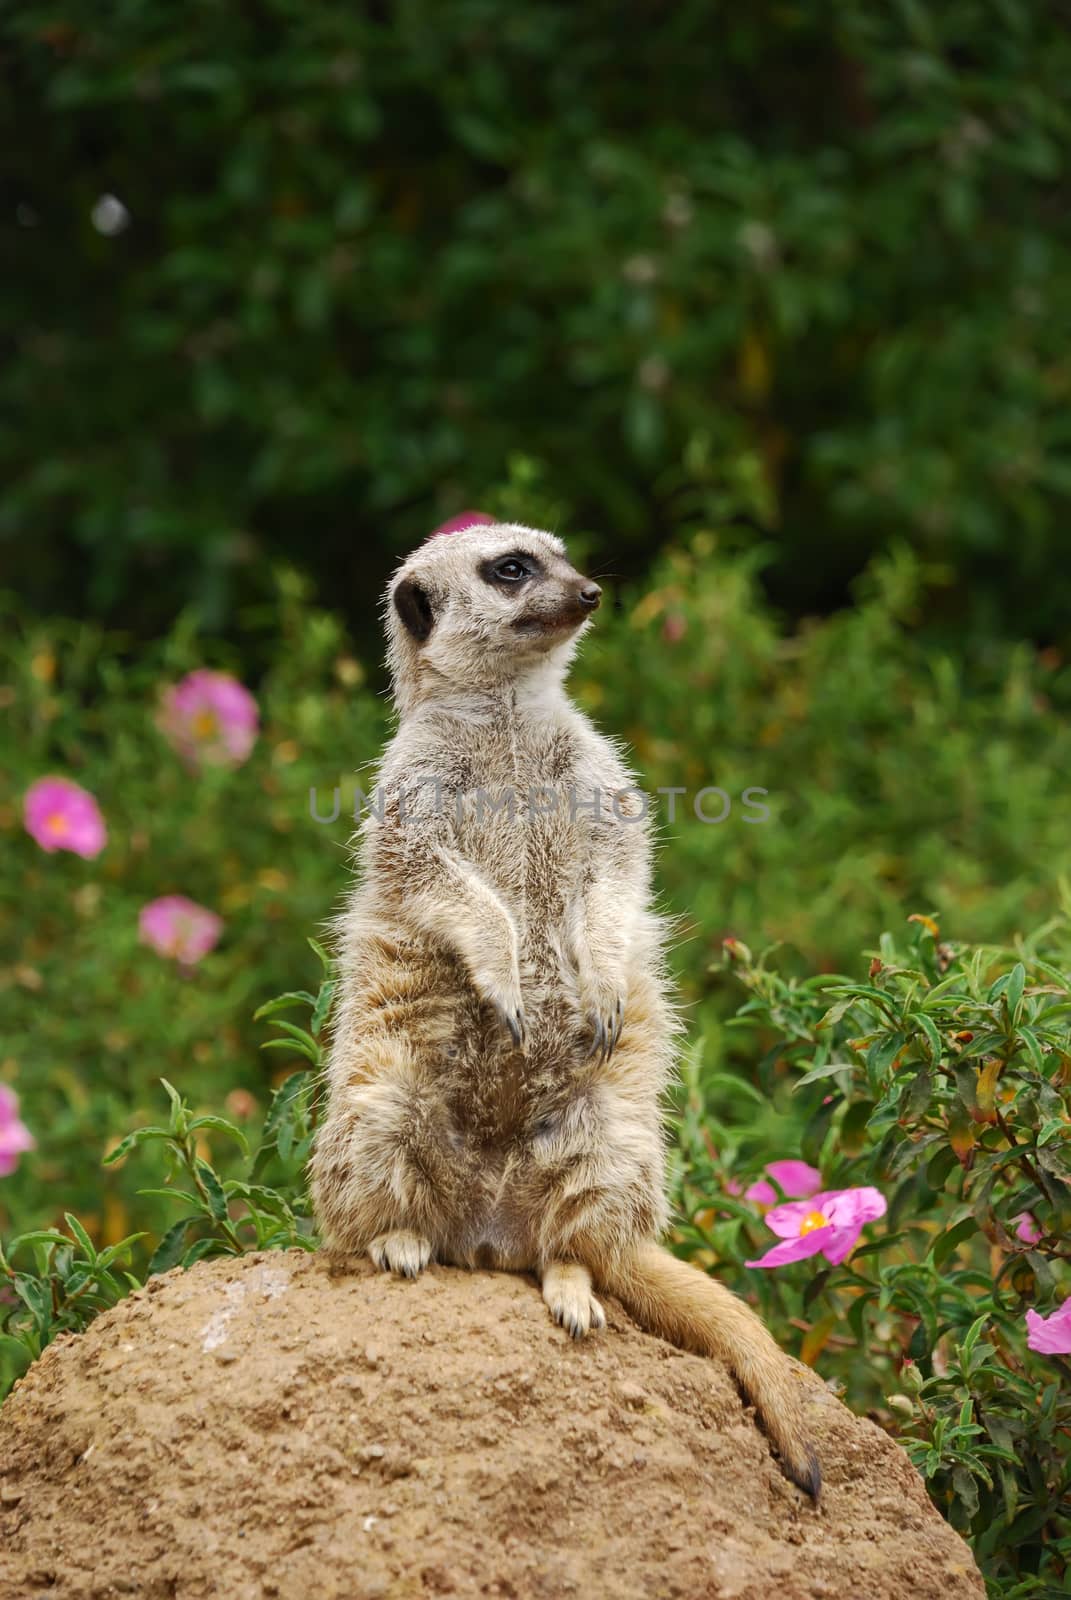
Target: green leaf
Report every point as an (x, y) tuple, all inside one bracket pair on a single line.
[(281, 1101), (285, 1002), (36, 1296), (184, 1195), (38, 1236), (1013, 992), (966, 1491), (970, 1339), (131, 1142), (873, 1246), (203, 1248), (323, 1005), (815, 1286), (114, 1251), (319, 951), (216, 1198), (178, 1110), (946, 1242), (942, 992), (919, 1346), (883, 1052), (169, 1250), (1033, 1045), (919, 1019), (221, 1125), (307, 1048), (79, 1233), (918, 1094), (835, 1013), (828, 1071)]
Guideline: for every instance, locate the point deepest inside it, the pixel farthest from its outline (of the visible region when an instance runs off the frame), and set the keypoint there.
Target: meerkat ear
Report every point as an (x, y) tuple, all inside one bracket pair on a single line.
[(413, 606)]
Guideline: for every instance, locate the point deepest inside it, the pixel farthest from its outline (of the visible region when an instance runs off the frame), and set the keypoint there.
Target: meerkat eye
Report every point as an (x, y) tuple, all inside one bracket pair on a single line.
[(510, 569)]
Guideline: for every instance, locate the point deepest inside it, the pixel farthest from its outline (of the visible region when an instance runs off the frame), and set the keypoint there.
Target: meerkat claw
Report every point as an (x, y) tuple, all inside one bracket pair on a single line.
[(513, 1022), (568, 1297), (401, 1251), (606, 1031)]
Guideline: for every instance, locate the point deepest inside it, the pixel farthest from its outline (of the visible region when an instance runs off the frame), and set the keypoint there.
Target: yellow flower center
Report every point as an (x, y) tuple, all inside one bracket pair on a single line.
[(56, 823), (813, 1219), (204, 724)]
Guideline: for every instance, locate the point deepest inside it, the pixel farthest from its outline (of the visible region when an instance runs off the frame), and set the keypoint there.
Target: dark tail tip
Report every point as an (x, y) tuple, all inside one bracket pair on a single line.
[(805, 1474)]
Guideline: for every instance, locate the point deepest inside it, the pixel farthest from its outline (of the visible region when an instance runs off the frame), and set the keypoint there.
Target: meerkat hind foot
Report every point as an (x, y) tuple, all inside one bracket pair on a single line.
[(401, 1251), (567, 1292)]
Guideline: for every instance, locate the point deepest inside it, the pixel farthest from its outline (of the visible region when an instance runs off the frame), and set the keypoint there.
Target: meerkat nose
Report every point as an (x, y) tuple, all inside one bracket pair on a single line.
[(589, 596)]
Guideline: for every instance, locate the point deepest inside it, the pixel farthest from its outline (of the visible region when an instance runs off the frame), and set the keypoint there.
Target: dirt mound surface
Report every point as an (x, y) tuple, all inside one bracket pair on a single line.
[(265, 1427)]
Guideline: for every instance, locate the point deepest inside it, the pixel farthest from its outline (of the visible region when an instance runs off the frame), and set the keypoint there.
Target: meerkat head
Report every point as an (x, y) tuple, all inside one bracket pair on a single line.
[(484, 606)]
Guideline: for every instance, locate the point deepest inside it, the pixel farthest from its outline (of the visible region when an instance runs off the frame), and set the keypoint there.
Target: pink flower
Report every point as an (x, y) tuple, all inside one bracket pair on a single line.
[(796, 1179), (209, 718), (1050, 1336), (178, 927), (458, 524), (15, 1137), (61, 815), (828, 1223), (1027, 1229)]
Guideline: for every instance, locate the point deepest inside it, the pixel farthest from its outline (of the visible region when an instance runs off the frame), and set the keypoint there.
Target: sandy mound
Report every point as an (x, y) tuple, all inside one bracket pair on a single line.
[(262, 1427)]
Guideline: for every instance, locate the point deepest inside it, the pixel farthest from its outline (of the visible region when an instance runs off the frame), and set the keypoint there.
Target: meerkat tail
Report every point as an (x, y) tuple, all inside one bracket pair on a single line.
[(682, 1304)]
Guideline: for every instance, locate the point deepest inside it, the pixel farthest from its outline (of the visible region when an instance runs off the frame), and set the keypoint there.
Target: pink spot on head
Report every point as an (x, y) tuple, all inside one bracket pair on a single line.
[(458, 524)]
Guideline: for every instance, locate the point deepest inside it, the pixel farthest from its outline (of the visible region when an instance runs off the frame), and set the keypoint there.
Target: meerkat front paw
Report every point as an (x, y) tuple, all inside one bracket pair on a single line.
[(506, 1002), (604, 1009), (401, 1251), (567, 1292)]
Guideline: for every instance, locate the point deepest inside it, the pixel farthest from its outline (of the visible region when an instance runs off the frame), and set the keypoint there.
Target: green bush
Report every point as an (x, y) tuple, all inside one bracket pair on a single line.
[(93, 1018), (789, 270), (940, 1077)]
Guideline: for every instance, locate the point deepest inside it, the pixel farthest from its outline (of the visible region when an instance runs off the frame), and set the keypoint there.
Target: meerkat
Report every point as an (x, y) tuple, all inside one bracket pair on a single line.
[(504, 1033)]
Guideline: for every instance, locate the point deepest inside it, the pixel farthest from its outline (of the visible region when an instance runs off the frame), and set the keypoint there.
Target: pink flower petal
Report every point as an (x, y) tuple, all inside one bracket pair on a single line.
[(1050, 1336), (852, 1207), (791, 1250), (838, 1242), (762, 1193), (798, 1180), (1027, 1229)]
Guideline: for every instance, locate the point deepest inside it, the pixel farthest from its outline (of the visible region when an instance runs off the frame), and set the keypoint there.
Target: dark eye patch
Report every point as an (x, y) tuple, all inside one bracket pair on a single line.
[(510, 570)]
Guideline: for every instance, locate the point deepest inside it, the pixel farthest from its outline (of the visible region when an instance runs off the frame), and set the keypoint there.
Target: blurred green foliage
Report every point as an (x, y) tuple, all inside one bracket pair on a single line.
[(790, 271)]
